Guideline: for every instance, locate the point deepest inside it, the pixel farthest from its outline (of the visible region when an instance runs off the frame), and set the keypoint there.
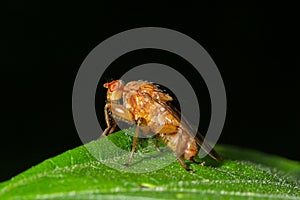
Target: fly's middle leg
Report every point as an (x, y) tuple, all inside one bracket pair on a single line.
[(140, 122), (156, 143)]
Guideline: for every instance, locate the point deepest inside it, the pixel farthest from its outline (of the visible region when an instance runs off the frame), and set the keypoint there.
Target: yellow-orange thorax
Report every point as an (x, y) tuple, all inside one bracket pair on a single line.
[(143, 101)]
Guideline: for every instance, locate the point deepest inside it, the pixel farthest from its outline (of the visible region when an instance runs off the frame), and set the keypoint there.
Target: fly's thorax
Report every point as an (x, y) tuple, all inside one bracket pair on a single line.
[(133, 85), (158, 117), (128, 102)]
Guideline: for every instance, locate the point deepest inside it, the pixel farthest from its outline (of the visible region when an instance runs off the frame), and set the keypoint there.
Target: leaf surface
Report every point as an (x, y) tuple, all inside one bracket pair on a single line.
[(77, 174)]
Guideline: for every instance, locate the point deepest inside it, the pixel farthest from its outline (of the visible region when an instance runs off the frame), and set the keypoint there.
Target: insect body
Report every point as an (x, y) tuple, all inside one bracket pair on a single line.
[(145, 105)]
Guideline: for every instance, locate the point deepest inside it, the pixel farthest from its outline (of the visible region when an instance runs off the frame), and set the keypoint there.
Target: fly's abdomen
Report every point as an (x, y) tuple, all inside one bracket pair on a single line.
[(181, 143)]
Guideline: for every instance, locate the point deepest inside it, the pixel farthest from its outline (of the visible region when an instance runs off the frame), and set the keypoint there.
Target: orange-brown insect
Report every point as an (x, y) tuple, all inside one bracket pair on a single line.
[(145, 105)]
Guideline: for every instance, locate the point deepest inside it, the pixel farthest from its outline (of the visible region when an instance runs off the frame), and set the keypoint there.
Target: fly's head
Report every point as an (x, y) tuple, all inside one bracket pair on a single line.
[(115, 90)]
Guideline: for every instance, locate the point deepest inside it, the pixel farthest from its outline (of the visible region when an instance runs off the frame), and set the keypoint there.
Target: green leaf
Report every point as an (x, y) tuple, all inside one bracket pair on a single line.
[(77, 174)]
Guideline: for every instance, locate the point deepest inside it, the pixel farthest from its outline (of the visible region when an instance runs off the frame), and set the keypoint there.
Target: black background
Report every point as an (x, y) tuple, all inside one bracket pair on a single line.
[(43, 46)]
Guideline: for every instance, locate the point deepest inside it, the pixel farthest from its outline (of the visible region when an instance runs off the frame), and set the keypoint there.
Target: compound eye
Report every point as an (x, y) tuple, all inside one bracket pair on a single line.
[(114, 86)]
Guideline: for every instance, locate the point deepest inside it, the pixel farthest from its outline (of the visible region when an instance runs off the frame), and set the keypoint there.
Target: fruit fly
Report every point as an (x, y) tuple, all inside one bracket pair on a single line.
[(146, 106)]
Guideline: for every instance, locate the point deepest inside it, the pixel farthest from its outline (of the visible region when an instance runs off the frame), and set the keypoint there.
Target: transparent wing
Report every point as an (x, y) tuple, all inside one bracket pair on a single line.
[(188, 128), (184, 123)]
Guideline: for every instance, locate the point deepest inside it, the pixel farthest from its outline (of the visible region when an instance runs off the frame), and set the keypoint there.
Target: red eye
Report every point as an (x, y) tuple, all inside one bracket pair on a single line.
[(114, 86)]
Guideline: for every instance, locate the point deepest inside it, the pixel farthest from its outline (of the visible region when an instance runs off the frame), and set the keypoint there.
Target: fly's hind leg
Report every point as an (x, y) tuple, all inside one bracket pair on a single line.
[(198, 163), (170, 129), (179, 152), (179, 158)]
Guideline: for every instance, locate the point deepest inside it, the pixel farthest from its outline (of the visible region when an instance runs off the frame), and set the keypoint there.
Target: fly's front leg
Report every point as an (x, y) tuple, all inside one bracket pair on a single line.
[(110, 127), (121, 113), (114, 110)]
